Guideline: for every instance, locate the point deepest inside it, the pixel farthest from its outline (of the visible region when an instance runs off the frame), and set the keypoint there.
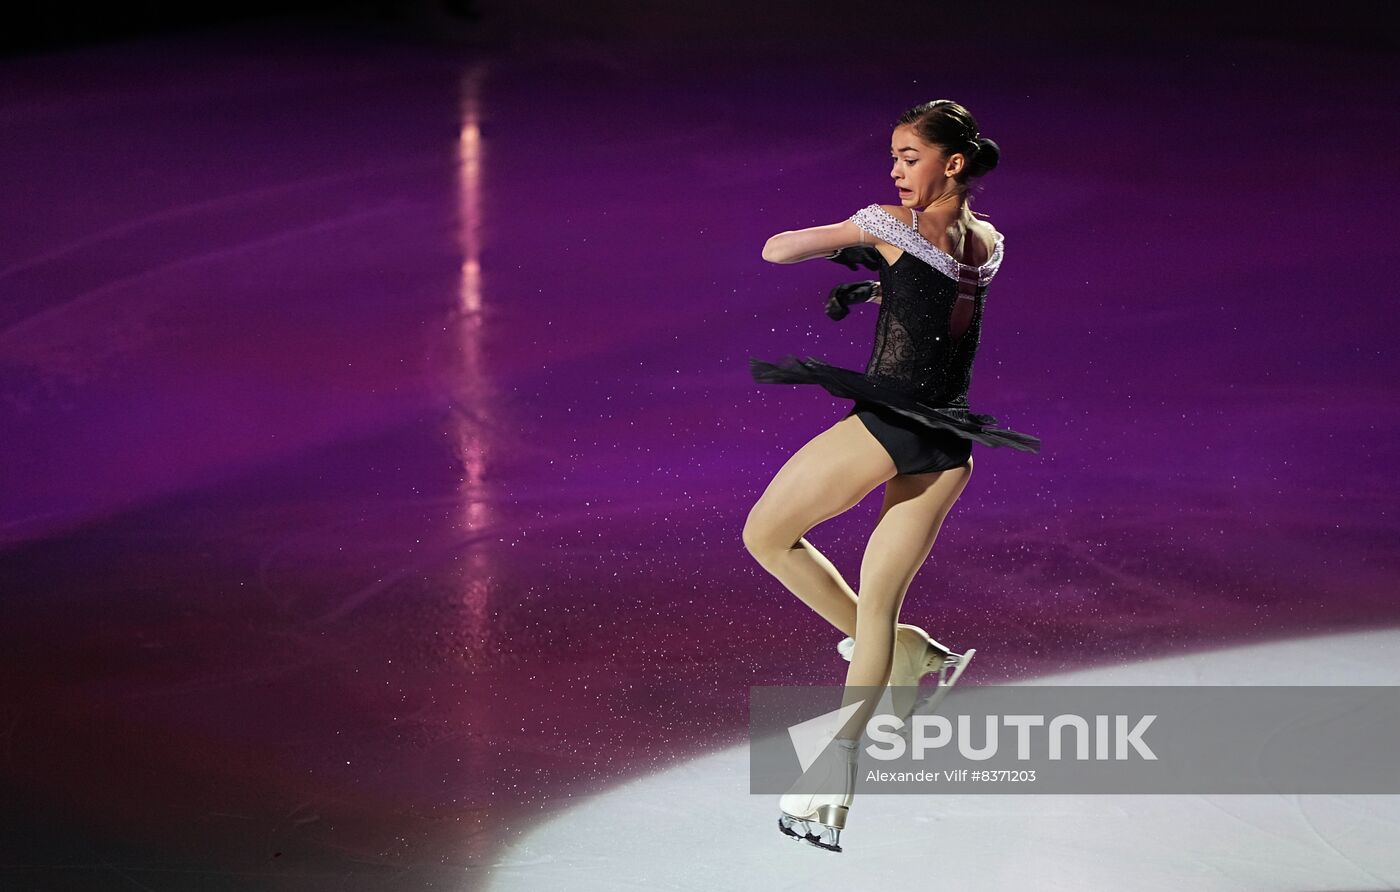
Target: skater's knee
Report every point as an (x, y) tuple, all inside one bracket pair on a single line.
[(764, 542), (768, 532)]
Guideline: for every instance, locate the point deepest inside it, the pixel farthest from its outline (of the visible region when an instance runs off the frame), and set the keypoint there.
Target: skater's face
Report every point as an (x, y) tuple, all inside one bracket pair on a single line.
[(921, 172)]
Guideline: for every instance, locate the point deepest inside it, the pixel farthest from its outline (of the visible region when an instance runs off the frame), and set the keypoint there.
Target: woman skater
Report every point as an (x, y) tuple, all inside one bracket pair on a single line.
[(910, 429)]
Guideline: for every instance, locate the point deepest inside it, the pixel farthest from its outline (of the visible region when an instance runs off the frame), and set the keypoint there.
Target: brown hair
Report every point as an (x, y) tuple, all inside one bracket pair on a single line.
[(946, 124)]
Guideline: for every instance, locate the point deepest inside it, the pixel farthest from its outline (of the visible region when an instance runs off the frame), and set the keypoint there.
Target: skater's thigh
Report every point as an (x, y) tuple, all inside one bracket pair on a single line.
[(934, 491), (915, 506), (830, 473)]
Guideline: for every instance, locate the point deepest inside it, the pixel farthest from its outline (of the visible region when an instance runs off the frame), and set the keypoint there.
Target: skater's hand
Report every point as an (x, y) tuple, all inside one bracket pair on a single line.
[(855, 257), (840, 298)]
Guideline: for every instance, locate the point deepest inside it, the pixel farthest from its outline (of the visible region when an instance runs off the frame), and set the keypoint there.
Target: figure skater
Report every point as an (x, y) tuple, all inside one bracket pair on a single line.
[(909, 428)]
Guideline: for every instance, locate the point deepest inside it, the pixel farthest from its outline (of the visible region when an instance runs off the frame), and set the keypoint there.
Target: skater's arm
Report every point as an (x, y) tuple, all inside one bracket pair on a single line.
[(817, 241)]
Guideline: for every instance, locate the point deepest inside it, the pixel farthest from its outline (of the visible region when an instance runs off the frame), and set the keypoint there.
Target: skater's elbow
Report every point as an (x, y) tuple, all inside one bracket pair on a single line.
[(771, 249), (776, 249)]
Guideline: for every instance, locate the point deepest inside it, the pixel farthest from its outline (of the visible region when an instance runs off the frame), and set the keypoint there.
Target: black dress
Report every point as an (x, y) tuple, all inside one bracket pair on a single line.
[(913, 393)]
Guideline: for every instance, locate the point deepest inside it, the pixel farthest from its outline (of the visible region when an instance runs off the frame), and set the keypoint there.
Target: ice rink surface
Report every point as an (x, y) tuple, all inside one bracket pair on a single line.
[(697, 826)]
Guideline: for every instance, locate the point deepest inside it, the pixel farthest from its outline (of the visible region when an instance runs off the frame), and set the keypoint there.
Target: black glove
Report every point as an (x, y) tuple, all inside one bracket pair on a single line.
[(856, 256), (840, 298)]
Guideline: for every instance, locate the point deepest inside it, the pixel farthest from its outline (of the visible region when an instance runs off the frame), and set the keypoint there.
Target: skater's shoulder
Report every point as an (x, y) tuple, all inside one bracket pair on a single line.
[(983, 242), (884, 220)]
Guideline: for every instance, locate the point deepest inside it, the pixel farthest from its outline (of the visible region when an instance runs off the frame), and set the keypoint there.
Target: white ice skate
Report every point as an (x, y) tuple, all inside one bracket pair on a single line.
[(916, 655), (821, 796)]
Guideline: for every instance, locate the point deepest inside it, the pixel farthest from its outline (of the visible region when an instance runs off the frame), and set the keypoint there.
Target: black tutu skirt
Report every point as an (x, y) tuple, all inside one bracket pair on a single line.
[(849, 384)]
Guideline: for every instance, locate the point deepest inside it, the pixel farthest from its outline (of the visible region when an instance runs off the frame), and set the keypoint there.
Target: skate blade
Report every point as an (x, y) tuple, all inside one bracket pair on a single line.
[(830, 818), (834, 845), (929, 703), (786, 825), (958, 669)]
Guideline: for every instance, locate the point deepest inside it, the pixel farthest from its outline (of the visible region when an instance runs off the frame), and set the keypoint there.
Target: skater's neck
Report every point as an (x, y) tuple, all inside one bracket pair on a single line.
[(946, 210)]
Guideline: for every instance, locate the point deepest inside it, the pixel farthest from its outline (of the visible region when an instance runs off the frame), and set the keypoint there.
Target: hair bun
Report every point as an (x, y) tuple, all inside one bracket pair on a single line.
[(986, 157)]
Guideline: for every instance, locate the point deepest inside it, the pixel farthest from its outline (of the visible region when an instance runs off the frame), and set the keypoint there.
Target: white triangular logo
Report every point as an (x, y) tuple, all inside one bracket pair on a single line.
[(809, 738)]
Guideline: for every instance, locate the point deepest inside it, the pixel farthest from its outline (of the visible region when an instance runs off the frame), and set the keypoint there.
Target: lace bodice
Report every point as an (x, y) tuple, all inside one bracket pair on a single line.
[(930, 319)]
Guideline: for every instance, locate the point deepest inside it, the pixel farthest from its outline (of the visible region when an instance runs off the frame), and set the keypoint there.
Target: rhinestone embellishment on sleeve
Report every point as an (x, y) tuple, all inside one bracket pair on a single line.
[(885, 226)]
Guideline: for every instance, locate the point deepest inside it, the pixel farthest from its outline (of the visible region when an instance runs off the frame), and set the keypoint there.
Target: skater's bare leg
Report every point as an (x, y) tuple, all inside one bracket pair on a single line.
[(828, 475), (914, 509)]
